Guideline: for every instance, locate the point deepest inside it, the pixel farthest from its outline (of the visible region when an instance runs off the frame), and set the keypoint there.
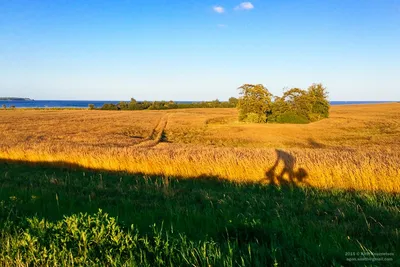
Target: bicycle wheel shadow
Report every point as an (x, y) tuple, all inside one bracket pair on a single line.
[(294, 177)]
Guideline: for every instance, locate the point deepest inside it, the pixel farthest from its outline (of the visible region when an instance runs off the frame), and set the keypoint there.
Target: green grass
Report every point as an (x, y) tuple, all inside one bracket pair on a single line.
[(50, 216)]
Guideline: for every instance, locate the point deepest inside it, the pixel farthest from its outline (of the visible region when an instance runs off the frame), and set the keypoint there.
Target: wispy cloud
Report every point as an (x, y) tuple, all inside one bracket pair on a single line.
[(219, 9), (245, 6), (222, 26)]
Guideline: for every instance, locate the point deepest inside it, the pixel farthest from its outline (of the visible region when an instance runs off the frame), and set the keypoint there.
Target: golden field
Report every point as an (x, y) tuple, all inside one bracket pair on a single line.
[(357, 147)]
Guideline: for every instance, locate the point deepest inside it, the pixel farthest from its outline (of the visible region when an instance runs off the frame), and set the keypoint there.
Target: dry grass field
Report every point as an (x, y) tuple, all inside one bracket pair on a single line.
[(358, 147)]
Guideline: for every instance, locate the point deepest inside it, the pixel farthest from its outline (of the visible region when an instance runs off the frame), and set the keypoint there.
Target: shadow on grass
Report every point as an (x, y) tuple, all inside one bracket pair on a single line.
[(315, 144), (294, 177), (292, 224)]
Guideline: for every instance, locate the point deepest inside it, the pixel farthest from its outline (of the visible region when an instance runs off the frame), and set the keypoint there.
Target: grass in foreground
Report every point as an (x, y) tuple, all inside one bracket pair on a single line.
[(185, 222)]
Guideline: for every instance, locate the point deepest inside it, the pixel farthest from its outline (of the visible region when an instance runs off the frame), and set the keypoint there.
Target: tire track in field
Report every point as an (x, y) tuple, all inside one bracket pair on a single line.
[(157, 133)]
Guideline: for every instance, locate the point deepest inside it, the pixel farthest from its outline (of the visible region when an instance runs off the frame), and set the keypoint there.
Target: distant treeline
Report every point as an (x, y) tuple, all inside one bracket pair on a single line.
[(159, 105)]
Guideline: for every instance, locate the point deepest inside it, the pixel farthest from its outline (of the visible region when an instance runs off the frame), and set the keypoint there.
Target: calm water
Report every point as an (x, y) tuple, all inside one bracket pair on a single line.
[(85, 103)]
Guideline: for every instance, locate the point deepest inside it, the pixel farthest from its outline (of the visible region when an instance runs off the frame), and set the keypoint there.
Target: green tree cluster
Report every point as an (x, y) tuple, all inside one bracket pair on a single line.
[(257, 104)]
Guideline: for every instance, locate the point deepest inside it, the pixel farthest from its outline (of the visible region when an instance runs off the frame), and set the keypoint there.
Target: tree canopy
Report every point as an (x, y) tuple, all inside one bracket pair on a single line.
[(255, 103), (294, 106)]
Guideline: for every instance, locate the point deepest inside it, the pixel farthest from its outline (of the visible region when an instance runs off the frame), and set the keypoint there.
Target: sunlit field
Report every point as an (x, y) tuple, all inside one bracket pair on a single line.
[(358, 147), (196, 187)]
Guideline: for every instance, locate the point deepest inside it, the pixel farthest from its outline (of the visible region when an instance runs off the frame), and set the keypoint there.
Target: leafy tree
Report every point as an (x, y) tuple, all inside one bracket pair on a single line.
[(318, 96), (145, 104), (278, 107), (4, 106), (91, 106), (233, 101), (108, 106), (298, 101), (293, 107), (254, 99), (158, 105), (132, 104), (216, 103), (123, 105), (171, 105)]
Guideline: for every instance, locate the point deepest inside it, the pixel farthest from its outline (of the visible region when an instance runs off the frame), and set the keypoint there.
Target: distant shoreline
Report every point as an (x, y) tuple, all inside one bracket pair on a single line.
[(15, 99)]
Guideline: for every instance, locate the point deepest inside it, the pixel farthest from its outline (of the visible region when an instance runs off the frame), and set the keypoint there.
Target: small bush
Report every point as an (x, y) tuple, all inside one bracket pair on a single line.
[(315, 116), (255, 118), (108, 106), (291, 117)]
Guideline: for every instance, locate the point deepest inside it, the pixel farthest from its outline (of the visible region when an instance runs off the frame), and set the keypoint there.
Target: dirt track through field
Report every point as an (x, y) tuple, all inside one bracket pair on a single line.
[(157, 133)]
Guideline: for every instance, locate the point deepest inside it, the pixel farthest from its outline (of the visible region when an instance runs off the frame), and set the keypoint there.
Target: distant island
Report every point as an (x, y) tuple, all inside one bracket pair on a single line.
[(16, 98)]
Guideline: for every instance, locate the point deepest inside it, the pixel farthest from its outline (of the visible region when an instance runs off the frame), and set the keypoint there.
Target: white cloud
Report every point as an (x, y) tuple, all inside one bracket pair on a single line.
[(245, 6), (219, 9), (222, 25)]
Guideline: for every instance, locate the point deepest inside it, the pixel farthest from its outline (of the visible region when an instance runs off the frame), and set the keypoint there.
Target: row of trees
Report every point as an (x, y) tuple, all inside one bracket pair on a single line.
[(257, 104), (158, 105)]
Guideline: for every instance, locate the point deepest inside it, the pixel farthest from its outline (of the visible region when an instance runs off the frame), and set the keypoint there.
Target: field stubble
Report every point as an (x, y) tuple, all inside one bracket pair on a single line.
[(358, 147)]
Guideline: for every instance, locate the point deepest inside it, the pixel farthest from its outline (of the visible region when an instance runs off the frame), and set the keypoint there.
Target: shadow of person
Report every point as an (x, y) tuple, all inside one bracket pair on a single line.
[(300, 176), (293, 177)]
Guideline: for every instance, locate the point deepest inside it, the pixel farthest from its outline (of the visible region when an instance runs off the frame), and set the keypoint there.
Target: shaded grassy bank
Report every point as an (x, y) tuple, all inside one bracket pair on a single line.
[(195, 222)]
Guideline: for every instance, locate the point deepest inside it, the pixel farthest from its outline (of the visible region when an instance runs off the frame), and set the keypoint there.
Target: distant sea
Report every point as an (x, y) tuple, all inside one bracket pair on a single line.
[(85, 103)]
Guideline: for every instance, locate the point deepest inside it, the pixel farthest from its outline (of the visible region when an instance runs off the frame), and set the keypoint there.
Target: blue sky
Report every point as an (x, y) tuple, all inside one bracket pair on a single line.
[(198, 50)]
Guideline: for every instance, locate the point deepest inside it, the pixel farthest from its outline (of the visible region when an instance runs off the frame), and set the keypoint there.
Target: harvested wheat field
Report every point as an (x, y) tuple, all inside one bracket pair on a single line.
[(358, 147)]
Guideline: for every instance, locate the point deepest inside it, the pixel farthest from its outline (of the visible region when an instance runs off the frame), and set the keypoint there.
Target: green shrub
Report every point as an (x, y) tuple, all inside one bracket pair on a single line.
[(315, 116), (255, 118), (291, 117), (108, 106)]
